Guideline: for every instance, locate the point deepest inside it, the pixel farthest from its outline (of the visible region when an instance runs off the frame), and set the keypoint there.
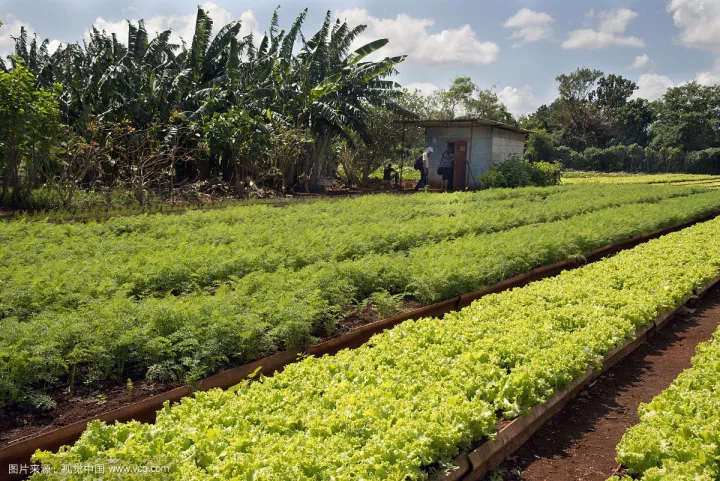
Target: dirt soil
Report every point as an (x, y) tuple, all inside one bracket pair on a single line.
[(85, 402), (578, 444)]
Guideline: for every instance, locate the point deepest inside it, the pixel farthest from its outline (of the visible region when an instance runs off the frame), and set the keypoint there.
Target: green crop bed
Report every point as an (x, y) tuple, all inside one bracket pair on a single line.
[(627, 178), (180, 297), (415, 395), (678, 437)]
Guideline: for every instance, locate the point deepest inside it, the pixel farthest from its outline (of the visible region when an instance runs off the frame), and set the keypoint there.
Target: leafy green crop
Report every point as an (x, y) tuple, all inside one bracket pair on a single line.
[(183, 337), (416, 394), (59, 267), (678, 437)]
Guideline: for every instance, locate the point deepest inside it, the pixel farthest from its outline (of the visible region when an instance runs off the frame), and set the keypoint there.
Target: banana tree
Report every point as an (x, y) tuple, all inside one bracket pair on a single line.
[(335, 86)]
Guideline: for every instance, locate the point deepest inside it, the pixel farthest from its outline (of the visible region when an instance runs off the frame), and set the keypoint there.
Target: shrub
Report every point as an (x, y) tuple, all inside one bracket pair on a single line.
[(634, 158), (571, 159), (545, 173), (516, 172), (703, 162), (540, 147)]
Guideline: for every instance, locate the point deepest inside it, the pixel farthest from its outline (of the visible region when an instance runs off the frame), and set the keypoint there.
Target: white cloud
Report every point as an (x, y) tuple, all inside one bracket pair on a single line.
[(530, 26), (612, 24), (182, 26), (409, 36), (426, 88), (643, 62), (652, 86), (616, 21), (11, 28), (519, 100), (699, 23), (711, 77)]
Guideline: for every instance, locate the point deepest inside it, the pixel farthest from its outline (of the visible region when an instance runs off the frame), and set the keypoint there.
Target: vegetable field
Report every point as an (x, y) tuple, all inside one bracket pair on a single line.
[(414, 395), (679, 431), (175, 298)]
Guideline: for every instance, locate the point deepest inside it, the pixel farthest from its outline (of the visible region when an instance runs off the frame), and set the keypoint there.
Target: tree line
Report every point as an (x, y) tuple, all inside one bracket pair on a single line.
[(286, 111), (151, 115), (597, 124)]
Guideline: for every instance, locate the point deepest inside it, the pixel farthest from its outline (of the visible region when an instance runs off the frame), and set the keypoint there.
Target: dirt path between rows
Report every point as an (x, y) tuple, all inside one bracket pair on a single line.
[(578, 444)]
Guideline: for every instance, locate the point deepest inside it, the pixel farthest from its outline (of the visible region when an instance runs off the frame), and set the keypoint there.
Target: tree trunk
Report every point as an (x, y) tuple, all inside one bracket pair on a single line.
[(317, 162)]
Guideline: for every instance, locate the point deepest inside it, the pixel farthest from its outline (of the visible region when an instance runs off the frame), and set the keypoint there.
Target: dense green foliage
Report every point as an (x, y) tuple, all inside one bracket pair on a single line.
[(634, 158), (464, 99), (30, 133), (221, 106), (678, 435), (178, 297), (416, 394), (595, 125), (516, 172)]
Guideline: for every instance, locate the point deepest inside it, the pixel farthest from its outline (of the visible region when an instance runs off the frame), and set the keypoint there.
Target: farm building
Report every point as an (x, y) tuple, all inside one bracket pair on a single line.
[(473, 145)]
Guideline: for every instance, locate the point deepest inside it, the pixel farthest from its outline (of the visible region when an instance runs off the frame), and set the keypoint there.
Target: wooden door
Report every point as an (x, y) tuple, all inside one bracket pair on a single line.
[(459, 165)]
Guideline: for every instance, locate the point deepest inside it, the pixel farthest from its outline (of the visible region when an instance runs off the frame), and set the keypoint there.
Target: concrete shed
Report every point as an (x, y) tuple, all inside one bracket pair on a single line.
[(475, 145)]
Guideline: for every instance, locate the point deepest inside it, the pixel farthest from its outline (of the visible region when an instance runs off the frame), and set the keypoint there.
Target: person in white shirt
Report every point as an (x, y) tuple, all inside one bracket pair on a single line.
[(425, 168)]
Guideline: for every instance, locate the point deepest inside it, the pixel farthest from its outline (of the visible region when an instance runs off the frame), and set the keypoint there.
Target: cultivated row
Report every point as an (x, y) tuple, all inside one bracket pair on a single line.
[(57, 267), (678, 437)]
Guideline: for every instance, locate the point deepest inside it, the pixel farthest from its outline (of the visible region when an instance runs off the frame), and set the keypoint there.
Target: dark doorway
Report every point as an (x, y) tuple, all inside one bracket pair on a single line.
[(451, 174), (459, 165)]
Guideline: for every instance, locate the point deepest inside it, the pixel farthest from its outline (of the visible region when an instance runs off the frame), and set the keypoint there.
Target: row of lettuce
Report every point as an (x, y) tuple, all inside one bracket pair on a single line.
[(182, 338), (678, 437), (413, 397)]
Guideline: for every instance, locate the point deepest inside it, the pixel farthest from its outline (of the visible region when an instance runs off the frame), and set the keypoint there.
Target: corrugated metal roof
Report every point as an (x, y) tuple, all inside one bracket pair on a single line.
[(466, 123)]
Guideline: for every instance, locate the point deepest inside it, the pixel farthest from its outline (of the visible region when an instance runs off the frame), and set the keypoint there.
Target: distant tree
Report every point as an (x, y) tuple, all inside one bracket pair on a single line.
[(540, 147), (613, 92), (30, 128), (486, 104), (687, 117), (581, 115), (464, 99), (633, 122), (3, 68), (458, 95)]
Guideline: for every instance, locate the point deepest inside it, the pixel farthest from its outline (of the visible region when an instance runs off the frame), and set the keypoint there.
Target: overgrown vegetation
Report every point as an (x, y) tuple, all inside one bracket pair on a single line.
[(241, 116), (150, 116)]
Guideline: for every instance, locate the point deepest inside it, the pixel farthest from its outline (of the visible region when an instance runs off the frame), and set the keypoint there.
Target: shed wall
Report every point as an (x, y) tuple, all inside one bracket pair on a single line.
[(506, 144)]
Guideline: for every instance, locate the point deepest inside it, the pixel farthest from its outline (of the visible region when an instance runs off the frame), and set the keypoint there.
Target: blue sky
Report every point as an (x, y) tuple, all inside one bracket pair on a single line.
[(515, 46)]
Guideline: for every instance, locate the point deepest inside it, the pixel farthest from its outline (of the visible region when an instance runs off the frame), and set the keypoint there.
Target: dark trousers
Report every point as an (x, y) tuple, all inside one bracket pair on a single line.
[(423, 180)]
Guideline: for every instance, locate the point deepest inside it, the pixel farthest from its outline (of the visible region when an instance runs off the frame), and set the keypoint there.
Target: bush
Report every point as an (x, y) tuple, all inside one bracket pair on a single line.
[(544, 173), (540, 147), (634, 158), (703, 162), (571, 159), (516, 172)]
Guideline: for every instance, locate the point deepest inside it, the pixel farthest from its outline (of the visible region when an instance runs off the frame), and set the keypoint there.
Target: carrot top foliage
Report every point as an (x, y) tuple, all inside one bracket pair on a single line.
[(175, 298)]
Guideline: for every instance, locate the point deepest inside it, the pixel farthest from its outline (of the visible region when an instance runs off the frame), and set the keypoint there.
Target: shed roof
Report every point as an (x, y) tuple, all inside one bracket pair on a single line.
[(466, 123)]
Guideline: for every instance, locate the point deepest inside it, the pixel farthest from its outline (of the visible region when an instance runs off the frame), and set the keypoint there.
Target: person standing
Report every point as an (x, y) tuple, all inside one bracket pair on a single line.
[(423, 165), (446, 168)]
